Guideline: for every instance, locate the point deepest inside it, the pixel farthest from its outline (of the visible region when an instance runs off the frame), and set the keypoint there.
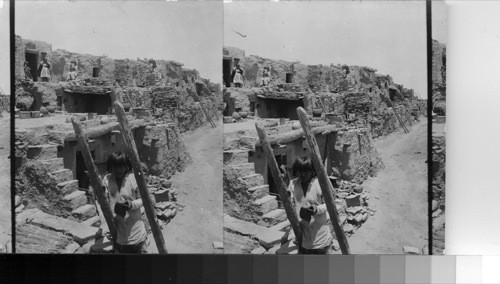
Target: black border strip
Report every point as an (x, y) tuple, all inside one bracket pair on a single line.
[(429, 122), (12, 123)]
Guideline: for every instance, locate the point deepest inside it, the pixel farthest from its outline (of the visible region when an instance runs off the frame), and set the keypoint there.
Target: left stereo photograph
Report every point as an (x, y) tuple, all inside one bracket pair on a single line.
[(118, 127), (5, 192)]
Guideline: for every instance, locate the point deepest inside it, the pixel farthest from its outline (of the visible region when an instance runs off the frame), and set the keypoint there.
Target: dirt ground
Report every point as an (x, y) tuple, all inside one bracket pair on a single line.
[(199, 224), (399, 196), (5, 212)]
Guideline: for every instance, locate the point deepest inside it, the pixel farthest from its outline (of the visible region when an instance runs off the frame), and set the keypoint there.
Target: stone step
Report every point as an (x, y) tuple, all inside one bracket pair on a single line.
[(254, 180), (80, 232), (92, 221), (266, 204), (51, 165), (259, 191), (283, 226), (75, 199), (275, 216), (84, 212), (62, 175), (267, 237), (67, 187), (245, 169), (42, 152)]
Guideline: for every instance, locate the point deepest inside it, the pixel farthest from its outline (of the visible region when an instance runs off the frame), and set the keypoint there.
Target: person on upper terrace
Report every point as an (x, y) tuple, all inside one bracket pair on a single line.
[(72, 74), (44, 70), (237, 75), (27, 71), (266, 77)]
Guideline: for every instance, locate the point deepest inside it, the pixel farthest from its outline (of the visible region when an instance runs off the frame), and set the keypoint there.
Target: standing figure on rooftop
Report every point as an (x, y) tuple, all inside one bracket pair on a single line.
[(44, 68), (27, 71), (237, 75), (306, 191), (72, 71), (123, 194), (266, 77)]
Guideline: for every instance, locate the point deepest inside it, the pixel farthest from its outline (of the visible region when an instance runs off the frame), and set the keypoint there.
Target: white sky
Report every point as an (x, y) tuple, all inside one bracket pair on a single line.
[(389, 36), (187, 32), (4, 47), (439, 21)]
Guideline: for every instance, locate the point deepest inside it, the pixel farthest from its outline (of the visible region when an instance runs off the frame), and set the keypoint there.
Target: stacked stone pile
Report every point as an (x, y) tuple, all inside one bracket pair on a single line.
[(165, 197), (352, 205)]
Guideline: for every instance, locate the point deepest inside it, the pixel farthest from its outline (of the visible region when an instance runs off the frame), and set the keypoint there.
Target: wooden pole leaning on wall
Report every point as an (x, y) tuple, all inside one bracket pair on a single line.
[(400, 121), (280, 183), (320, 99), (197, 99), (95, 179), (324, 181), (132, 153), (389, 104)]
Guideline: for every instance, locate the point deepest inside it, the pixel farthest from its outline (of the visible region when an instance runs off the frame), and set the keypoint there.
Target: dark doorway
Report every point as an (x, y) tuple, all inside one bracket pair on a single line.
[(81, 170), (97, 103), (252, 106), (32, 59), (281, 160), (85, 103), (392, 94), (289, 77), (271, 108), (226, 71), (95, 72)]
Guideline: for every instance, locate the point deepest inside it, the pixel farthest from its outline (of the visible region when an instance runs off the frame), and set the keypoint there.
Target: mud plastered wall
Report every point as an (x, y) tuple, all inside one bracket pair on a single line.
[(163, 150), (4, 103), (355, 157)]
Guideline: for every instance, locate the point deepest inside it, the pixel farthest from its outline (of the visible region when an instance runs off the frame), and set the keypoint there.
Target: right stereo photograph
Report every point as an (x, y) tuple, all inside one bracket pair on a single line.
[(326, 123)]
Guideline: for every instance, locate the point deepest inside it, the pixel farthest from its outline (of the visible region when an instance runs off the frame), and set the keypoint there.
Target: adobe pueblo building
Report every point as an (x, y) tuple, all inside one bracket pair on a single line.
[(56, 212), (348, 107)]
